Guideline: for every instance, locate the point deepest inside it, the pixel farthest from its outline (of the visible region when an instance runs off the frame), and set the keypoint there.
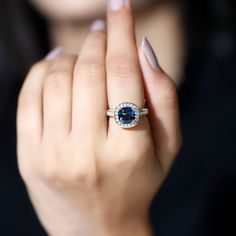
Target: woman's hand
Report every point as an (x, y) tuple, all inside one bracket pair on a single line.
[(85, 174)]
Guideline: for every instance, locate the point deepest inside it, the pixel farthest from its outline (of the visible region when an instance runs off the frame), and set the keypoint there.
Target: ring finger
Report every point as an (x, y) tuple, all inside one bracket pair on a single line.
[(124, 81)]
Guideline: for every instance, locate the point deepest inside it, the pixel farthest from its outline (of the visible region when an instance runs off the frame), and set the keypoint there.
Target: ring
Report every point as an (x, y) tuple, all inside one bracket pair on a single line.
[(127, 114)]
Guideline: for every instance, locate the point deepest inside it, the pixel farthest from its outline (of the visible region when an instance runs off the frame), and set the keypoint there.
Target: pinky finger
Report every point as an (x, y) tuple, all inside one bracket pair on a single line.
[(162, 101), (29, 110)]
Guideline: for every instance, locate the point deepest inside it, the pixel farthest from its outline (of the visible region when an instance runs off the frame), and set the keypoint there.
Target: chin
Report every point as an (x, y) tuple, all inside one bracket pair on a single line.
[(77, 9), (71, 9)]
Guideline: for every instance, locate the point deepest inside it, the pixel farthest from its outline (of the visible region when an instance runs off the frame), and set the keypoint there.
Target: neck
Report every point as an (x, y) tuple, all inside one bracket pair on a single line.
[(161, 24)]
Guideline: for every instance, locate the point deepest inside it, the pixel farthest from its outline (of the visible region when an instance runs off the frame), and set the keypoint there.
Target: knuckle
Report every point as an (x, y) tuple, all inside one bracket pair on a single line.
[(50, 173), (120, 67), (85, 175), (90, 71), (57, 80), (79, 177), (128, 161)]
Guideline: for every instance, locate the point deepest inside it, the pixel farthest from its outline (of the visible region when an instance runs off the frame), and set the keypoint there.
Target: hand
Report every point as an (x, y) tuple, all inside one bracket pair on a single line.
[(87, 176)]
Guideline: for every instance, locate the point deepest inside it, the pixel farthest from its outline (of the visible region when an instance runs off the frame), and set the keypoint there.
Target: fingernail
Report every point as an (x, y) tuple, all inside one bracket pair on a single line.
[(54, 53), (116, 5), (98, 25), (150, 54)]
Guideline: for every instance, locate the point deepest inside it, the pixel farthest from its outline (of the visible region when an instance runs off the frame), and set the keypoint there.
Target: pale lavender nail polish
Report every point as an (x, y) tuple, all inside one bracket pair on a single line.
[(98, 25), (149, 54), (116, 5), (54, 53)]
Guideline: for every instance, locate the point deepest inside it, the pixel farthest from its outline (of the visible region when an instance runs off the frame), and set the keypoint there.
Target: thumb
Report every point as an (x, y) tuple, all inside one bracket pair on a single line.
[(162, 102)]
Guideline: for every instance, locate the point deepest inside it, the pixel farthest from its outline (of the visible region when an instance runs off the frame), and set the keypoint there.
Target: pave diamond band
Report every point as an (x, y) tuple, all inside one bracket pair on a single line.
[(127, 114)]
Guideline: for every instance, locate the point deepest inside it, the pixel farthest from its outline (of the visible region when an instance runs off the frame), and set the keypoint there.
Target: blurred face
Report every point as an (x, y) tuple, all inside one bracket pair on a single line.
[(77, 9)]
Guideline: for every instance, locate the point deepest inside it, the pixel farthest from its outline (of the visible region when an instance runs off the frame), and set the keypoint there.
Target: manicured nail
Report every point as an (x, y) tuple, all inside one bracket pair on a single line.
[(98, 25), (54, 53), (116, 5), (149, 54)]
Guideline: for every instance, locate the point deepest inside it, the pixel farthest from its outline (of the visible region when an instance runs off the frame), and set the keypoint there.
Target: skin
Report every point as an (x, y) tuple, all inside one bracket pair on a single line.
[(73, 9), (160, 21), (86, 175)]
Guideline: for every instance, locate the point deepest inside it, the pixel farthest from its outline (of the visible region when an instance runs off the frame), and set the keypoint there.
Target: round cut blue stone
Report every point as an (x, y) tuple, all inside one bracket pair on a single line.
[(126, 115)]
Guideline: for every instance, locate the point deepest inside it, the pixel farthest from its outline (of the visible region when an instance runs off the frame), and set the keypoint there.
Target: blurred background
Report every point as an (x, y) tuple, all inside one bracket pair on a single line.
[(198, 198)]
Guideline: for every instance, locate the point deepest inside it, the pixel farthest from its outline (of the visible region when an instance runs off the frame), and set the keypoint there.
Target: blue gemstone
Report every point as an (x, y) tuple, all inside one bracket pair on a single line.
[(126, 115)]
